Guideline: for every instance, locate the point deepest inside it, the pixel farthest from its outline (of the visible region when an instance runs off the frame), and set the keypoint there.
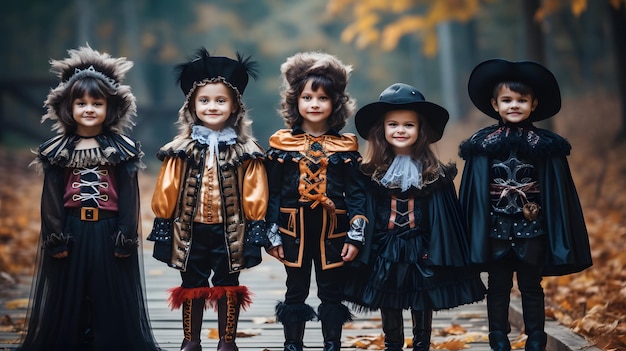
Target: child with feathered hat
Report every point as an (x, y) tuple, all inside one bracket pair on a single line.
[(317, 200), (210, 197), (88, 289), (520, 202)]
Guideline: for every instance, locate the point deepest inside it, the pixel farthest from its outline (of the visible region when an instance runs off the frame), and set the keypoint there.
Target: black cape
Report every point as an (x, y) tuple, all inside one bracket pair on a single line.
[(568, 242), (454, 283)]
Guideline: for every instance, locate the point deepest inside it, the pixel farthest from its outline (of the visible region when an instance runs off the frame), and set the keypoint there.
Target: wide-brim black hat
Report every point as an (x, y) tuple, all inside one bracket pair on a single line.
[(400, 96), (488, 74)]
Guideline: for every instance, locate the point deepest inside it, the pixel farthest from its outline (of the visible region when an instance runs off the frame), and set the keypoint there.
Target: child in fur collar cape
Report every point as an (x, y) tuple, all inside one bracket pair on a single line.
[(520, 203), (211, 196), (88, 289)]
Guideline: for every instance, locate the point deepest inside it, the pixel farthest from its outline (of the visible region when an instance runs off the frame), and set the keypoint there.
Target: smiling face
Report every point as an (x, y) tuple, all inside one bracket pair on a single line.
[(214, 104), (315, 106), (89, 114), (512, 106), (401, 130)]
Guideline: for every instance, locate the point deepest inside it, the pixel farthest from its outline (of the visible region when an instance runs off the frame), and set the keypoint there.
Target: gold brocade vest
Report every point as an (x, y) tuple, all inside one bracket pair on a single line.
[(234, 223)]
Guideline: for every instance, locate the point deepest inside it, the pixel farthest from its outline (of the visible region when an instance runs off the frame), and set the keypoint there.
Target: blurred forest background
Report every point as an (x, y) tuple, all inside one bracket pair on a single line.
[(431, 44)]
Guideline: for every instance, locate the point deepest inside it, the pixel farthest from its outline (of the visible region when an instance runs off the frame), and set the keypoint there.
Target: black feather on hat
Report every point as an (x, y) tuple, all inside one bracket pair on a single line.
[(204, 67), (488, 74), (400, 96)]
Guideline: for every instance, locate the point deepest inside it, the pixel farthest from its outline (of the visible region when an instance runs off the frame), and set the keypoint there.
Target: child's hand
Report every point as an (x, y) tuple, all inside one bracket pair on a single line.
[(277, 252), (62, 254), (349, 252)]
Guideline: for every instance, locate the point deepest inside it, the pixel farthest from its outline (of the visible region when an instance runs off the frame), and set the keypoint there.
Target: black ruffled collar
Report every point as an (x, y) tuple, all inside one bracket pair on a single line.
[(526, 139), (112, 149)]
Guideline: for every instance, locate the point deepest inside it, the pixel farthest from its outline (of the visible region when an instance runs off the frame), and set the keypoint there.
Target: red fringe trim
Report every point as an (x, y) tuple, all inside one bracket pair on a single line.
[(179, 294)]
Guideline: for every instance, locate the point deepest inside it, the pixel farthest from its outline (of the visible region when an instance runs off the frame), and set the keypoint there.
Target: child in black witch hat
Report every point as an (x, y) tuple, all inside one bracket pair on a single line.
[(88, 289), (417, 254), (520, 203), (211, 196)]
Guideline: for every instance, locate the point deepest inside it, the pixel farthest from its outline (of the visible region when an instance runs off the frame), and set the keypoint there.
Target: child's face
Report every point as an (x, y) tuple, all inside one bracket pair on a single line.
[(512, 106), (214, 104), (401, 130), (89, 114), (314, 106)]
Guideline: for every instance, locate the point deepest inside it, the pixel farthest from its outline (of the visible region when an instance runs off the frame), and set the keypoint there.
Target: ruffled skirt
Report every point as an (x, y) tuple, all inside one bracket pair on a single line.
[(402, 277)]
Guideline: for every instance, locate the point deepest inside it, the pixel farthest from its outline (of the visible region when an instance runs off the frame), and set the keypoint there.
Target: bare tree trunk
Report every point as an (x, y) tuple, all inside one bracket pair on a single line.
[(534, 42), (618, 19), (448, 72)]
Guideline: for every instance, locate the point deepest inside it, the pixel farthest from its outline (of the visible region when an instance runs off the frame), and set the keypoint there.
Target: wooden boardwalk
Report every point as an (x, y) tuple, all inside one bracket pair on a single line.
[(266, 281)]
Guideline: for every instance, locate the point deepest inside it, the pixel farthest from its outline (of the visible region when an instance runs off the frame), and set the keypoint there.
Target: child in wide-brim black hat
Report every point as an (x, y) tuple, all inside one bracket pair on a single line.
[(520, 202), (417, 256)]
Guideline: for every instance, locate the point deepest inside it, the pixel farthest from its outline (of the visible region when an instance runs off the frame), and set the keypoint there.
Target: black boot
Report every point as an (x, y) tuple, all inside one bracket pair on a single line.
[(533, 308), (333, 316), (294, 318), (536, 341), (499, 341), (422, 327), (393, 328), (498, 317), (193, 311), (294, 333), (227, 319)]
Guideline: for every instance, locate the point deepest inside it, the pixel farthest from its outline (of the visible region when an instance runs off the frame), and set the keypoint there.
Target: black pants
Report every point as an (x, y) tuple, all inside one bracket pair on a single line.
[(499, 292), (329, 281), (208, 254)]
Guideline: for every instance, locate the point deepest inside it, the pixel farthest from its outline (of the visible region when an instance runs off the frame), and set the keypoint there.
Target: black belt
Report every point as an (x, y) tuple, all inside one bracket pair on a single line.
[(90, 214)]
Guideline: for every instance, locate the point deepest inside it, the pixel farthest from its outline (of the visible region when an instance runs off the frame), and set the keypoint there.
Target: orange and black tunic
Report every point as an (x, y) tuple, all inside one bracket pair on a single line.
[(307, 173)]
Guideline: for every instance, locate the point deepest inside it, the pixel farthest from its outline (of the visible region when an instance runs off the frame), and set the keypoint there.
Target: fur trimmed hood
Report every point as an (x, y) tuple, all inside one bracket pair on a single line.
[(86, 62)]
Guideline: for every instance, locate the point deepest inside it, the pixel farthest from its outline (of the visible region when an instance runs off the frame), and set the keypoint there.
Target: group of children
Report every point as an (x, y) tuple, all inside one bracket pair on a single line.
[(384, 232)]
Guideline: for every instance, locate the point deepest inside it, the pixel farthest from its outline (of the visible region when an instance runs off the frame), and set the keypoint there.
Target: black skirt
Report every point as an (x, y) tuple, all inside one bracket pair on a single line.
[(402, 277), (91, 299)]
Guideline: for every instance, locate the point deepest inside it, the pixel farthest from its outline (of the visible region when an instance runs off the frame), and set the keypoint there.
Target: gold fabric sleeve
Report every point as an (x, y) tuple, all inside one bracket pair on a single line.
[(167, 188), (255, 192)]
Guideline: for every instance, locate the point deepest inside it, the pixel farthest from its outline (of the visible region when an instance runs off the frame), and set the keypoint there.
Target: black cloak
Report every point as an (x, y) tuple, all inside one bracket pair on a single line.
[(568, 242)]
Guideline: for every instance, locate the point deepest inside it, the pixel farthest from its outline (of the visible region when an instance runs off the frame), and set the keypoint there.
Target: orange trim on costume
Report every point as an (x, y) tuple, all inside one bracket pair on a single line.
[(284, 140)]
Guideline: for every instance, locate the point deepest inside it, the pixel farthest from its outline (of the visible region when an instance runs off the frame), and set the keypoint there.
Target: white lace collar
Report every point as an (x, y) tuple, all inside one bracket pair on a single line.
[(212, 138), (403, 173)]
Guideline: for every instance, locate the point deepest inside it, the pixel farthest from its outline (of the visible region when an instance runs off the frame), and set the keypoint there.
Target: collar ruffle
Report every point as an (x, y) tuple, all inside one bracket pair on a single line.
[(528, 141), (113, 149), (403, 173), (212, 138)]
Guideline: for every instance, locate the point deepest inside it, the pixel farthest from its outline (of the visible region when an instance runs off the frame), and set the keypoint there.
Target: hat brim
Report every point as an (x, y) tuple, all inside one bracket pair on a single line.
[(489, 73), (434, 115)]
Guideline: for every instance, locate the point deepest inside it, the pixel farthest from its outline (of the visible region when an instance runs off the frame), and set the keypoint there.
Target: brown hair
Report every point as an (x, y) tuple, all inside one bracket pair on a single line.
[(379, 153), (289, 106), (95, 88)]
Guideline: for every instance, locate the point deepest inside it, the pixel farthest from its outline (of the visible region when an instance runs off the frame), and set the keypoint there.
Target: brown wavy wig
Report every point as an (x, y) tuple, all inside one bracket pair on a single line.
[(324, 71)]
